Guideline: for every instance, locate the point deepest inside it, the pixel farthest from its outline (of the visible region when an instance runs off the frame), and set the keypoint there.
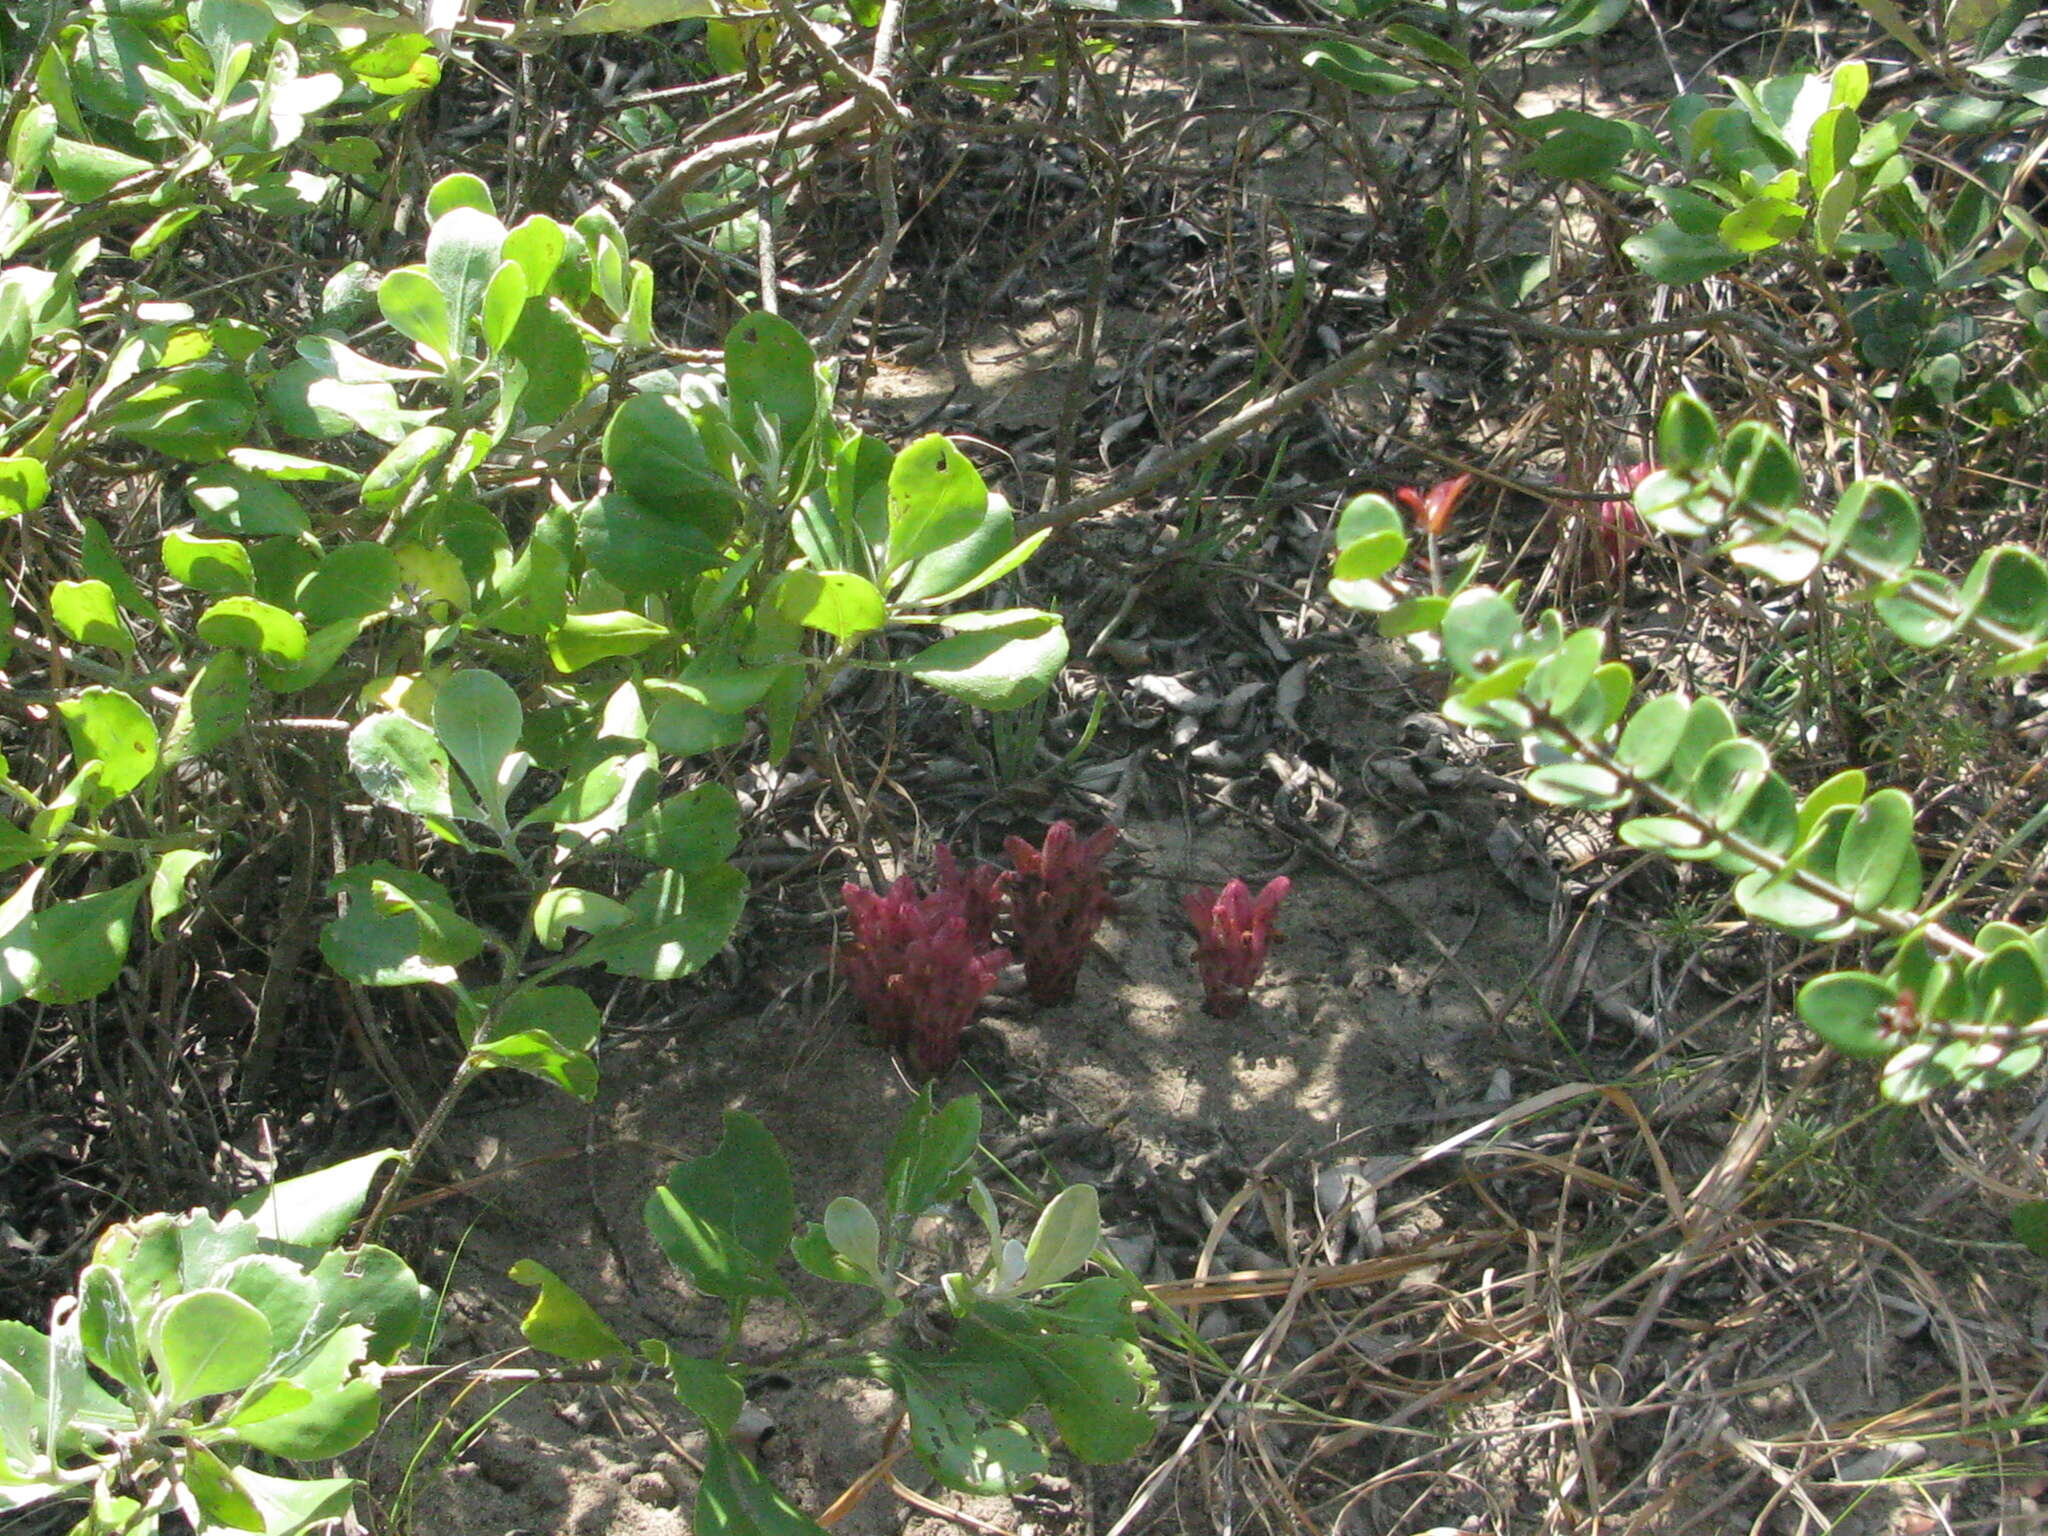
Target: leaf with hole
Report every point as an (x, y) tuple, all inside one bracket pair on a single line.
[(108, 727)]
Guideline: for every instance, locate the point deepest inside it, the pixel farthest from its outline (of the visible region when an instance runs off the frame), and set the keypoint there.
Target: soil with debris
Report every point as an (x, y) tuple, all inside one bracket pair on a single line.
[(1461, 1287)]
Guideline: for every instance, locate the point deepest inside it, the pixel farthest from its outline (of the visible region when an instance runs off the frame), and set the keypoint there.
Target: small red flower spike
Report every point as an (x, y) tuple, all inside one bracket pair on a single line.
[(1432, 509), (1621, 527), (1059, 896), (1233, 930), (916, 968)]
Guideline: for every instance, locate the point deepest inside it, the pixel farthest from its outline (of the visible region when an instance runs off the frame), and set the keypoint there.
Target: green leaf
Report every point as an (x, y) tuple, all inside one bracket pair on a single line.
[(1923, 611), (1760, 468), (560, 1322), (290, 1505), (209, 1341), (1667, 254), (463, 250), (561, 908), (1097, 1388), (642, 552), (402, 467), (1878, 525), (733, 1498), (657, 458), (86, 173), (694, 830), (106, 1329), (998, 661), (932, 1156), (218, 566), (680, 922), (1480, 630), (2008, 586), (1577, 145), (231, 499), (400, 929), (258, 628), (1066, 1234), (167, 884), (195, 413), (1877, 849), (216, 1492), (936, 498), (415, 307), (537, 243), (400, 763), (724, 1219), (1687, 436), (315, 1210), (1355, 69), (2030, 1226), (993, 537), (855, 1235), (71, 950), (963, 1410), (1761, 223), (545, 1032), (478, 719), (356, 581), (771, 374), (547, 363), (24, 485), (323, 1409), (108, 727), (584, 639), (704, 1387), (86, 611), (1842, 1008), (841, 604)]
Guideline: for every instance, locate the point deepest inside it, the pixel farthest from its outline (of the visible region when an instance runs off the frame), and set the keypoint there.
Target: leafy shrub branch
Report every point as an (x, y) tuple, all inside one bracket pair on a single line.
[(1948, 1009)]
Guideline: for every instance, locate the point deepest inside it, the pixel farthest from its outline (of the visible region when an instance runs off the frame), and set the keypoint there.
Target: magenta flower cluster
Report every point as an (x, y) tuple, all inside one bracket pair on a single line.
[(921, 962), (1233, 930), (917, 967)]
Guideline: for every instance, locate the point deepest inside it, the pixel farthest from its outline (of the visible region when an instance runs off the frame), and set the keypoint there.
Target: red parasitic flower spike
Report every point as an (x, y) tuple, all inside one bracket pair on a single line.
[(1233, 930), (1621, 526), (978, 890), (916, 968), (1059, 896)]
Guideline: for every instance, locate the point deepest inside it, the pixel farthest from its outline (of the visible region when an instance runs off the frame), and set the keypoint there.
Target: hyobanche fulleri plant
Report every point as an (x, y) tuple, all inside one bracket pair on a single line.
[(1233, 931), (1058, 897), (920, 964)]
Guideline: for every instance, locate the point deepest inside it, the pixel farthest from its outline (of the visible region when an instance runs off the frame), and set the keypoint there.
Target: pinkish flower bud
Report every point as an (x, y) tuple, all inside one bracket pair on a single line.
[(1059, 896), (1232, 931)]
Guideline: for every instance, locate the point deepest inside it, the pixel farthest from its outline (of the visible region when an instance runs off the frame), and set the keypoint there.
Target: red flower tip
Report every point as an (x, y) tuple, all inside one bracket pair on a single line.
[(1432, 509), (1233, 930)]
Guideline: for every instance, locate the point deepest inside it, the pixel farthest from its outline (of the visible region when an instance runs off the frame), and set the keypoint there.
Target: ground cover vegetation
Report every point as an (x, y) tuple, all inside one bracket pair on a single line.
[(462, 591)]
